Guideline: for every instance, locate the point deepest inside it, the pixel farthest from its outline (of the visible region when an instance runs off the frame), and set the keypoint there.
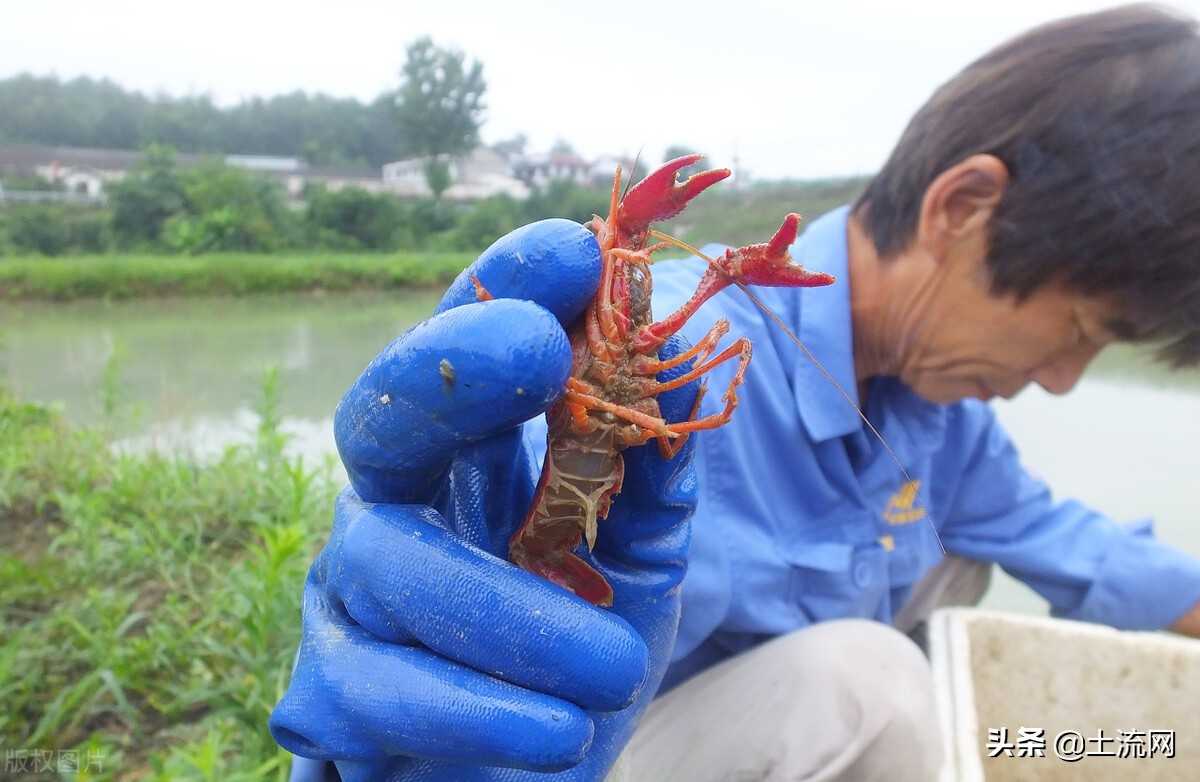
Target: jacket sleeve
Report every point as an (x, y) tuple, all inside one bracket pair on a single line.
[(1086, 565)]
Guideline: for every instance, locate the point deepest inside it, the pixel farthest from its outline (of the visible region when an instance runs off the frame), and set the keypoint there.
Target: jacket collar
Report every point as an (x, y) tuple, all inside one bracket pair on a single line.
[(825, 327)]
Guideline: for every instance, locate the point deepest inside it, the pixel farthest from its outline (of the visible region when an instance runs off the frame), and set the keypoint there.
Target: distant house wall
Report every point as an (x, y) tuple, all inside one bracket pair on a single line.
[(540, 170), (481, 174), (336, 183), (89, 183), (406, 178), (266, 164)]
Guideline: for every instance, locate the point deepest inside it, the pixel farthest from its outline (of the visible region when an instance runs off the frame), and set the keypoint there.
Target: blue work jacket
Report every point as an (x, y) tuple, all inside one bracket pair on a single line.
[(803, 516)]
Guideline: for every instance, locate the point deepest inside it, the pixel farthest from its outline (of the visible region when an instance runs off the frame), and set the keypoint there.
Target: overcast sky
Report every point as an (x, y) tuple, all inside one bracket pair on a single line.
[(780, 88)]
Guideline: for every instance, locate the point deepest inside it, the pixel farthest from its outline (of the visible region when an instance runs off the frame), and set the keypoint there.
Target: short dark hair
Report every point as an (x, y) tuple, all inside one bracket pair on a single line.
[(1097, 118)]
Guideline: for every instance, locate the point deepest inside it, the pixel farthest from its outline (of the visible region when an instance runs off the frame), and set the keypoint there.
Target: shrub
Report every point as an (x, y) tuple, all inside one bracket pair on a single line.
[(483, 223), (227, 209), (37, 229), (212, 207), (34, 182), (426, 223), (88, 230), (563, 198), (54, 229), (144, 201), (352, 219)]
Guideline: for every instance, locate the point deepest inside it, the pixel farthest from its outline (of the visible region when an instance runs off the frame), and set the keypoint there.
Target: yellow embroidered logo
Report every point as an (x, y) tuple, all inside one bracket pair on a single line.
[(900, 508)]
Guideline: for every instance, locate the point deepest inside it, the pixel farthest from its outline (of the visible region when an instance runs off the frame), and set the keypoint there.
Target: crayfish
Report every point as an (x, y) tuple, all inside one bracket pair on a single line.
[(609, 402)]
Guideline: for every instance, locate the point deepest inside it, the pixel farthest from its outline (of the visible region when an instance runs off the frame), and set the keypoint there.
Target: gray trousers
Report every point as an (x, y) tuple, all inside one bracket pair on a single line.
[(848, 700)]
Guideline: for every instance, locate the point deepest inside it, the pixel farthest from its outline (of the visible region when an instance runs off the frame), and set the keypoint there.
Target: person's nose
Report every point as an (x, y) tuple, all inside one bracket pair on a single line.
[(1060, 375)]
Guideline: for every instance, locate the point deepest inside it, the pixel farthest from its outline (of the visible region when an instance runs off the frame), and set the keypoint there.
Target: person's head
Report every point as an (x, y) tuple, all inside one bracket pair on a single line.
[(1055, 183)]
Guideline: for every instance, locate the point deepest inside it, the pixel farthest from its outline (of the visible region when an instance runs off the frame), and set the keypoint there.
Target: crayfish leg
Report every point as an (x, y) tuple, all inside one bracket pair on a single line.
[(577, 394), (701, 351), (742, 348), (668, 449)]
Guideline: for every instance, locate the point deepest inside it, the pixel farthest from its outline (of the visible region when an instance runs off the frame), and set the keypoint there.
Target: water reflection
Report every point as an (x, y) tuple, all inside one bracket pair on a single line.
[(180, 361), (188, 375)]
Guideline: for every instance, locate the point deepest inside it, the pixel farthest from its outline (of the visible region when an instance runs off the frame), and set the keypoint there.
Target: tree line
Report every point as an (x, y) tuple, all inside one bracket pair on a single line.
[(86, 112), (435, 110)]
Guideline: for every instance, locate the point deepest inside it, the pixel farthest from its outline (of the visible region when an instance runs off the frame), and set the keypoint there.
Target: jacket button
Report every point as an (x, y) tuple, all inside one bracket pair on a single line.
[(862, 573)]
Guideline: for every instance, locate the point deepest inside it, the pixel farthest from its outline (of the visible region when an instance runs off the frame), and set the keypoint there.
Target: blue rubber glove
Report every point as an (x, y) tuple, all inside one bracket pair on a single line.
[(425, 655)]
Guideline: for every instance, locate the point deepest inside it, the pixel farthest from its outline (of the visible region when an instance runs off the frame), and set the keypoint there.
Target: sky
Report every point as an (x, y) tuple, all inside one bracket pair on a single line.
[(772, 88)]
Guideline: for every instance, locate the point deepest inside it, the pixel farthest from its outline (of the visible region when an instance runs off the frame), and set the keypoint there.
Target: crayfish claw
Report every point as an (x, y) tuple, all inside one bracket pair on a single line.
[(659, 196), (784, 237), (770, 264)]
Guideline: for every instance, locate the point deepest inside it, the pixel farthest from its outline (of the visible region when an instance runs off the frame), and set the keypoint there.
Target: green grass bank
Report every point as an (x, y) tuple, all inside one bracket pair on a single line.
[(137, 276), (149, 606)]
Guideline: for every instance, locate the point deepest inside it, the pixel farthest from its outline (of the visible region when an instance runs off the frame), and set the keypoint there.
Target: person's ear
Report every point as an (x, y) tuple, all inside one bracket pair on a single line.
[(959, 203)]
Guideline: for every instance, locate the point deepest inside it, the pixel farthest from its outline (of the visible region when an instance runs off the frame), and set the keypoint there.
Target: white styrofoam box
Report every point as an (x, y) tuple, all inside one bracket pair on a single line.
[(996, 671)]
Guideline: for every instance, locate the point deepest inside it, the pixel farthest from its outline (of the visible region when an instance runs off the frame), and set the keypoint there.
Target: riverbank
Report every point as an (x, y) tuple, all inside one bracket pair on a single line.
[(145, 276), (150, 606)]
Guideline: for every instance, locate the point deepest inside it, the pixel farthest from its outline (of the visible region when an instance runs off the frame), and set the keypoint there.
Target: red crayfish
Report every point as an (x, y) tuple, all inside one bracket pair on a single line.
[(609, 403)]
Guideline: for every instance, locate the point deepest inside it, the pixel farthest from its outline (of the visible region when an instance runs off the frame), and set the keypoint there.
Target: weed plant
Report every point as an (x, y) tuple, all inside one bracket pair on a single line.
[(149, 605)]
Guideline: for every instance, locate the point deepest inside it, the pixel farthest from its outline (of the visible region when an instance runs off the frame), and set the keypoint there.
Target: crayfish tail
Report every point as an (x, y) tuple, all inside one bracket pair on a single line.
[(572, 573)]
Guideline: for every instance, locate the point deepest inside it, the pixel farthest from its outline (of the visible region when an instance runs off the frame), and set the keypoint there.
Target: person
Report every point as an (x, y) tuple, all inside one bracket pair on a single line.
[(1039, 207)]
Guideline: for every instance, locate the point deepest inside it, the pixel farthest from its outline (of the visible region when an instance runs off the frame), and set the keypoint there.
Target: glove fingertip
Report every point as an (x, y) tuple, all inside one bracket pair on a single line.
[(454, 379), (555, 263)]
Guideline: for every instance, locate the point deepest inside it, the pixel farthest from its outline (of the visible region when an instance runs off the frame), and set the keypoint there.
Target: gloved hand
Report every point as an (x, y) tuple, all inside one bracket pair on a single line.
[(425, 655)]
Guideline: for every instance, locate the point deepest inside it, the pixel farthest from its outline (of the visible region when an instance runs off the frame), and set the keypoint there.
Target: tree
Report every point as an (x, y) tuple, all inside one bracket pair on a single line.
[(439, 106), (144, 201), (437, 175), (84, 112)]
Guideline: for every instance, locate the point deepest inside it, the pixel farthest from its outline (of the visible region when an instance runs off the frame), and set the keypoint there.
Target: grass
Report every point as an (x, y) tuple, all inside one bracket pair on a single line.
[(135, 276), (149, 606)]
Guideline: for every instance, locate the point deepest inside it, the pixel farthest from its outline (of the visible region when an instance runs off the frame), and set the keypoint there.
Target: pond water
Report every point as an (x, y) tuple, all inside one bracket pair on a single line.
[(188, 374)]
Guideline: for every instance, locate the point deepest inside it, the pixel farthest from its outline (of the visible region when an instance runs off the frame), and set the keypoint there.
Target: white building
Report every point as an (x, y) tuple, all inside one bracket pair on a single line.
[(540, 170), (481, 174)]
